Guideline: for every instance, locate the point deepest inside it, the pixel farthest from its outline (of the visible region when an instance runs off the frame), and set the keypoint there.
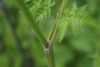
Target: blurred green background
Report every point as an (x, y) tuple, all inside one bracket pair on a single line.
[(78, 49)]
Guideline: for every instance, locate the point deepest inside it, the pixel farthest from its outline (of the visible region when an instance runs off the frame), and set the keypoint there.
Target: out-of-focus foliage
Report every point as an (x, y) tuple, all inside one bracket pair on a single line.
[(74, 17), (42, 8), (77, 43)]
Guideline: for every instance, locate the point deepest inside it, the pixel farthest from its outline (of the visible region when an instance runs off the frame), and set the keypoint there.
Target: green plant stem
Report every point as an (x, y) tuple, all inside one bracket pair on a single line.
[(54, 30), (49, 50), (50, 56), (32, 22), (47, 45)]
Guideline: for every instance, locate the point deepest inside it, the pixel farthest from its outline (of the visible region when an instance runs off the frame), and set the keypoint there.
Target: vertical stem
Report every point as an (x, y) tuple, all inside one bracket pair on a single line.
[(50, 56), (49, 50), (47, 45)]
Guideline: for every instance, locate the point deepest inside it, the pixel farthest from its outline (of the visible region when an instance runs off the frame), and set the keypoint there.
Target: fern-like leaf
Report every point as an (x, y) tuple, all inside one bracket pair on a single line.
[(41, 9), (74, 17), (63, 25)]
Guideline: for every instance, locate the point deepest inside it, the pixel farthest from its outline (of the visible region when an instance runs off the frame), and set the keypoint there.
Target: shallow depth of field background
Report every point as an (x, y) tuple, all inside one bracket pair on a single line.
[(77, 49)]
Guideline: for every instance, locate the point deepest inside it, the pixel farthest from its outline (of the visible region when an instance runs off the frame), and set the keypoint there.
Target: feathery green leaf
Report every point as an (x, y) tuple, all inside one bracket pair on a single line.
[(75, 18)]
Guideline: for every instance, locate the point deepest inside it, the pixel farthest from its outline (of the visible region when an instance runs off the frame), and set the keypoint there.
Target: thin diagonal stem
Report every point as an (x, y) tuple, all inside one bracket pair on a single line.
[(49, 50), (54, 30), (38, 32), (32, 22), (48, 45)]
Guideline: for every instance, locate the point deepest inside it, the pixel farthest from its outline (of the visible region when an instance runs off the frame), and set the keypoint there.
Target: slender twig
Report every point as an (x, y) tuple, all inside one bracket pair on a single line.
[(32, 22), (47, 45), (54, 30), (49, 50), (50, 57), (37, 31)]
